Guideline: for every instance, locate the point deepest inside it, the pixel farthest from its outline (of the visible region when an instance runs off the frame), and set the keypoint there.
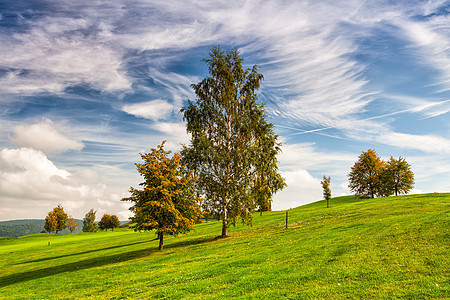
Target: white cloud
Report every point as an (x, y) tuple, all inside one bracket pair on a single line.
[(23, 160), (301, 188), (44, 136), (27, 173), (426, 143), (124, 215), (31, 185), (345, 190), (298, 162), (420, 34), (300, 178), (154, 110), (305, 156), (176, 131), (106, 203)]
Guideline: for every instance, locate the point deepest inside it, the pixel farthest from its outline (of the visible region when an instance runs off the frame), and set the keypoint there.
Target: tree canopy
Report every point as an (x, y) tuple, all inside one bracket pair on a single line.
[(326, 188), (51, 221), (167, 202), (108, 222), (71, 224), (233, 148), (370, 176), (364, 176), (397, 177), (89, 222), (56, 220)]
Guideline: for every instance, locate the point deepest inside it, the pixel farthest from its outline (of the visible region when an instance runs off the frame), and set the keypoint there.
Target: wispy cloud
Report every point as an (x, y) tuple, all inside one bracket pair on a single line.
[(154, 110), (58, 52), (430, 39)]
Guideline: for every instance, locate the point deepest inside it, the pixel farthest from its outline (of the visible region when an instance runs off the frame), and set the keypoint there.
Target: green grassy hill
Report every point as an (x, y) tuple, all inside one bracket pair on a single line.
[(395, 247)]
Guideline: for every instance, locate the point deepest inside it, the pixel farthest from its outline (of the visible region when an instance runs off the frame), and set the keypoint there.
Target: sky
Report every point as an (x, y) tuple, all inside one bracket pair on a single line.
[(85, 86)]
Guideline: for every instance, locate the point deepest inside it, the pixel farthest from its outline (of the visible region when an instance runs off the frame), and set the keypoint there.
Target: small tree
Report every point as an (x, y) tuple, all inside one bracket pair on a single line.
[(51, 222), (62, 218), (167, 202), (56, 220), (103, 224), (114, 222), (365, 175), (326, 188), (89, 222), (397, 177), (108, 222), (72, 224)]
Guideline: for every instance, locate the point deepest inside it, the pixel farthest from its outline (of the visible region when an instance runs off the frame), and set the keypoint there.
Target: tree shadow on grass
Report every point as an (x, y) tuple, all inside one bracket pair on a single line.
[(84, 252), (93, 262)]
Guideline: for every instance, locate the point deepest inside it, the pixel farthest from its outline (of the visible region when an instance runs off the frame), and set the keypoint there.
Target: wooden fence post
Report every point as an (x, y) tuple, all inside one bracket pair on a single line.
[(286, 219)]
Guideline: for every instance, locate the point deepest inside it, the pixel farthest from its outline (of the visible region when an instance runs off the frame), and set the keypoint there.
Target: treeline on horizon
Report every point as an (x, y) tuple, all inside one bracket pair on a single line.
[(19, 228)]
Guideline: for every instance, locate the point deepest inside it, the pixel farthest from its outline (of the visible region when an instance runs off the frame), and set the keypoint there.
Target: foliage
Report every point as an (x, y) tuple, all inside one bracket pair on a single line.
[(364, 176), (397, 177), (114, 222), (62, 218), (370, 176), (51, 221), (56, 220), (387, 248), (71, 224), (267, 181), (108, 222), (233, 149), (167, 202), (89, 222), (326, 189)]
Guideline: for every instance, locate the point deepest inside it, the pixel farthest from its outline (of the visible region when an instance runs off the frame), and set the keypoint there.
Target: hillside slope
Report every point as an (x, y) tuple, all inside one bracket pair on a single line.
[(395, 247)]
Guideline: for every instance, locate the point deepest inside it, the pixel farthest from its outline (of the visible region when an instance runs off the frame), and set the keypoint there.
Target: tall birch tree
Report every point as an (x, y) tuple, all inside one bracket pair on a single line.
[(233, 148)]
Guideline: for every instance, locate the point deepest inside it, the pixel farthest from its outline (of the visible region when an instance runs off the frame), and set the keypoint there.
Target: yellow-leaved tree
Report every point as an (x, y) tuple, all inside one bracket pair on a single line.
[(364, 178), (56, 220), (167, 202), (72, 224)]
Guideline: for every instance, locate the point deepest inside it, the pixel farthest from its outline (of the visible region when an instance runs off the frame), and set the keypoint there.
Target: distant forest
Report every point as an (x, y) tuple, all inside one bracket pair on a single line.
[(18, 228)]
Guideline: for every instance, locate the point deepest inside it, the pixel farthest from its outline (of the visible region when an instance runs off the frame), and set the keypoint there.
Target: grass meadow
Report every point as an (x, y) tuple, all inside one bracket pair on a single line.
[(385, 248)]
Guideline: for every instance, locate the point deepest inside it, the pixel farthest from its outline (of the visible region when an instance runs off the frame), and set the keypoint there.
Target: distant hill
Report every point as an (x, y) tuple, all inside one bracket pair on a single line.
[(16, 228)]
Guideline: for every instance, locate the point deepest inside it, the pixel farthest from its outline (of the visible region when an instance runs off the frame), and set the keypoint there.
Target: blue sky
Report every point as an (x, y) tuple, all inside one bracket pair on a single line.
[(87, 85)]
